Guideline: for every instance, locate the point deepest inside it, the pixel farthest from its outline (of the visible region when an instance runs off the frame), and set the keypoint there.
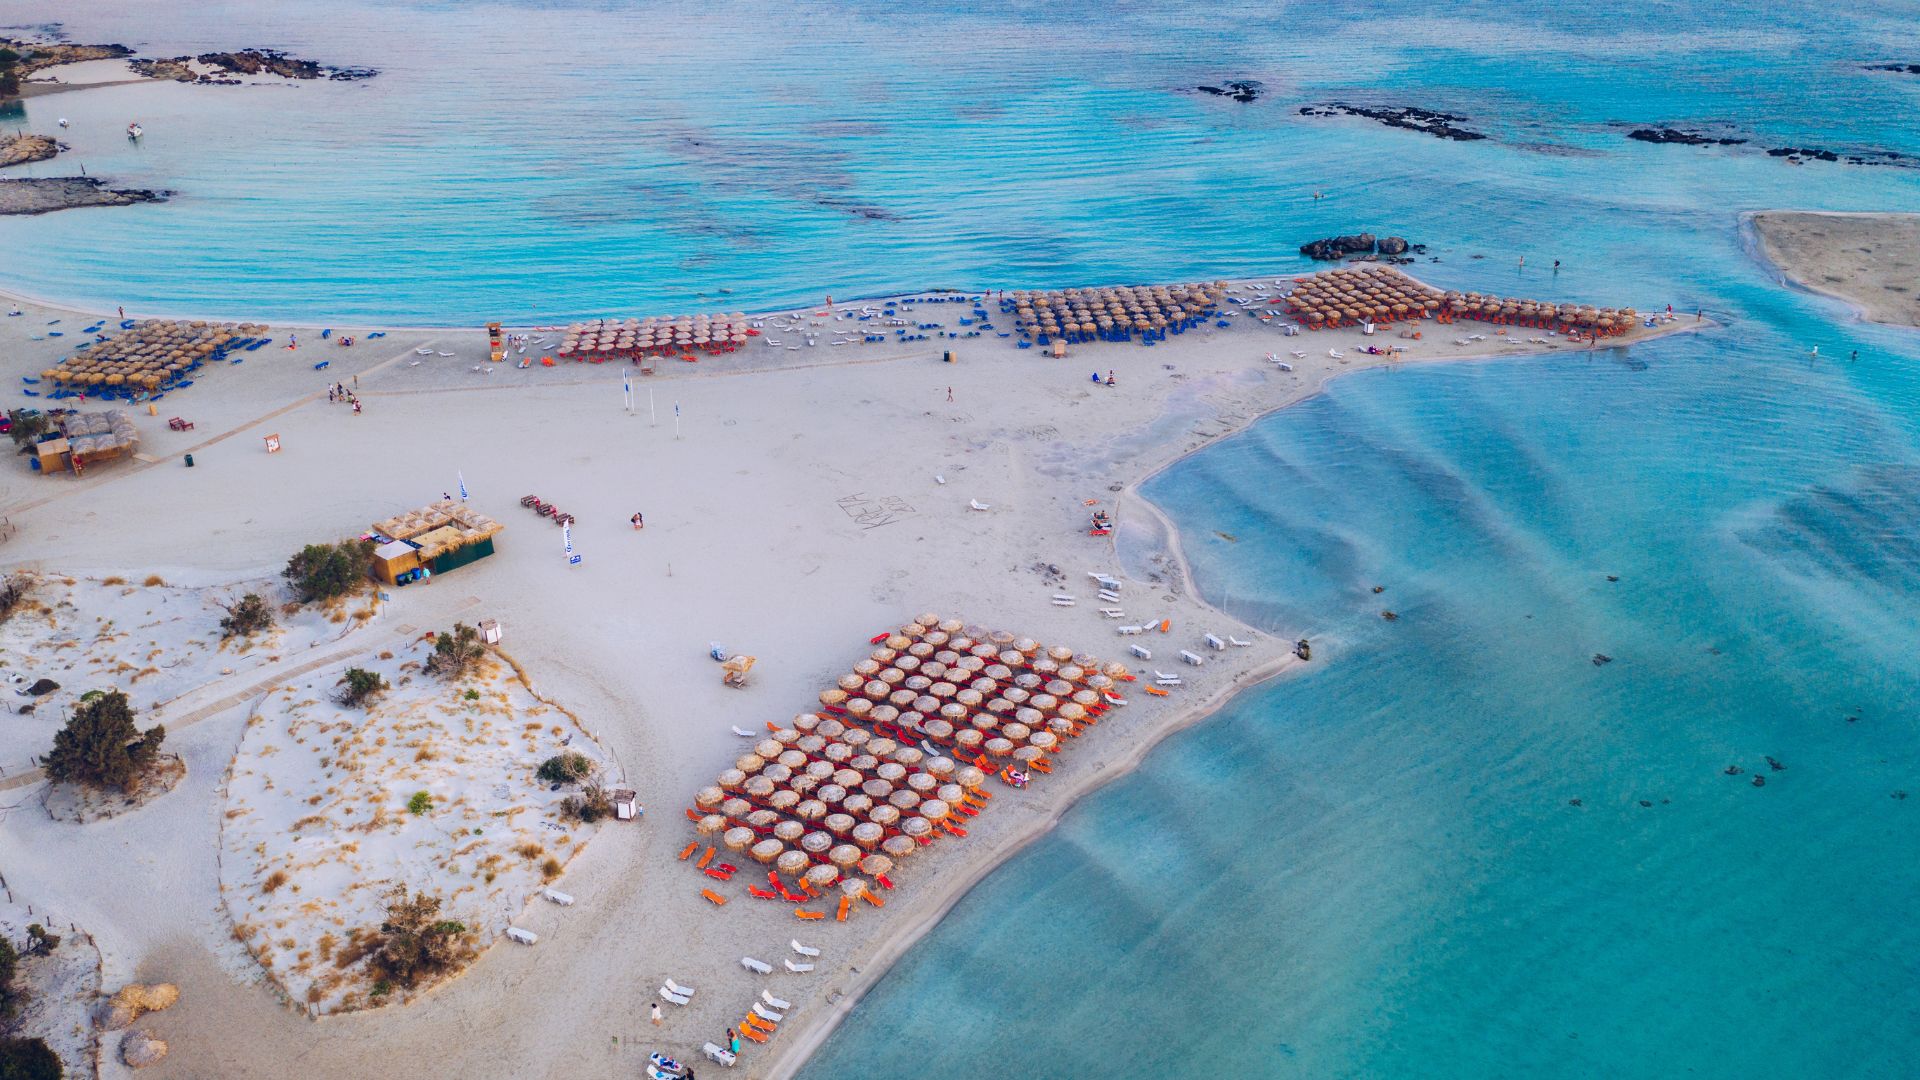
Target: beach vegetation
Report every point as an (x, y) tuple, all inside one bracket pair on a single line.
[(22, 1058), (28, 426), (100, 747), (414, 942), (329, 571), (155, 581), (359, 688), (420, 803), (592, 804), (39, 942), (455, 652), (12, 995), (13, 593), (246, 616), (565, 768)]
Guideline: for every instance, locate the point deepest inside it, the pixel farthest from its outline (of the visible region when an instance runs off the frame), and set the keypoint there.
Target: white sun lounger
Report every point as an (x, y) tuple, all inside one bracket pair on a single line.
[(1141, 651), (1109, 595), (1132, 629), (558, 897), (803, 950), (765, 1013), (1214, 642), (1237, 643), (774, 1002), (1172, 680), (760, 966), (673, 997), (1192, 657), (1062, 596), (1284, 366), (1335, 353), (683, 991), (797, 969), (976, 504), (1113, 612), (1163, 676), (719, 1054), (524, 937), (742, 733), (423, 352), (1062, 602)]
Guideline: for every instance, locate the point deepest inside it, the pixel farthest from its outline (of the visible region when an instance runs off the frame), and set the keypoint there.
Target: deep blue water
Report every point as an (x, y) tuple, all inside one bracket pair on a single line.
[(1376, 869)]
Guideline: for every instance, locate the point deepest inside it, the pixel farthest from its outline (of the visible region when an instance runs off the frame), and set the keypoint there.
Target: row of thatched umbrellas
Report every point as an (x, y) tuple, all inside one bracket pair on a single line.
[(1112, 314), (846, 789), (1383, 294), (151, 353), (615, 338)]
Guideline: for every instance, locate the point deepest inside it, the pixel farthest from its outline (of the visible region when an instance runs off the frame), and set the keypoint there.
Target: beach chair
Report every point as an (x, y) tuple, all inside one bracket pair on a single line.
[(683, 991), (804, 950), (673, 997), (805, 915), (976, 504), (718, 1053), (760, 966), (1237, 643), (797, 969), (774, 1002), (756, 1034), (846, 902), (742, 734), (765, 1013), (714, 898)]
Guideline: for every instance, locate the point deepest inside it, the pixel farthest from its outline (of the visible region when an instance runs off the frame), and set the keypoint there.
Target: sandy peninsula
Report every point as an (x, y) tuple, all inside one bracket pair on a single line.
[(799, 499), (1869, 260)]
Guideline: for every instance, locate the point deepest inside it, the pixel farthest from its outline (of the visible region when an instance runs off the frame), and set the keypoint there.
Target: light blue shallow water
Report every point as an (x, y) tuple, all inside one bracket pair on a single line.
[(1374, 870)]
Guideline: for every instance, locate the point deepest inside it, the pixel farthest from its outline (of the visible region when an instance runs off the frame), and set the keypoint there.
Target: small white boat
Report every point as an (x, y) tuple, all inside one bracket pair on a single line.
[(134, 131)]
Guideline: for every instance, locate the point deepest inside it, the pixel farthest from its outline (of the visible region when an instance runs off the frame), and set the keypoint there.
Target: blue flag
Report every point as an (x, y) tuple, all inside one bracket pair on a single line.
[(463, 485)]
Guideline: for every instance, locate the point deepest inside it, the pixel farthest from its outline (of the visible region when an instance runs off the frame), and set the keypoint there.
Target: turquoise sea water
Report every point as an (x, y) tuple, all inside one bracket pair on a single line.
[(1376, 869)]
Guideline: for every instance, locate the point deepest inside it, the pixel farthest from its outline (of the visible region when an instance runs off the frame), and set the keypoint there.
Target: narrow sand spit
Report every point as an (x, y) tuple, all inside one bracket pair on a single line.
[(808, 498)]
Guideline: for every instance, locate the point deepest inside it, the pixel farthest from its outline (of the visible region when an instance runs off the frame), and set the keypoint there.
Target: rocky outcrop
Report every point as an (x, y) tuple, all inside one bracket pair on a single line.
[(133, 1001), (142, 1048), (1335, 248), (1245, 91), (1437, 124), (1676, 135), (1904, 69), (37, 56), (225, 65), (20, 149), (44, 195)]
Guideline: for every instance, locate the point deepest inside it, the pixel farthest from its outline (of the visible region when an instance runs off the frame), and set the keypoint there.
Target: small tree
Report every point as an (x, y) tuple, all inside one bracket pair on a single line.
[(414, 942), (11, 995), (28, 426), (592, 804), (565, 768), (324, 571), (28, 1059), (455, 652), (247, 616), (100, 747), (39, 941), (359, 687)]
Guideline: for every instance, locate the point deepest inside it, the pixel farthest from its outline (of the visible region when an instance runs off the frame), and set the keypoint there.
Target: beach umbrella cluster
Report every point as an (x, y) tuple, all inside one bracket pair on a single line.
[(151, 354), (1357, 294), (900, 749), (1384, 294), (1113, 314), (599, 340)]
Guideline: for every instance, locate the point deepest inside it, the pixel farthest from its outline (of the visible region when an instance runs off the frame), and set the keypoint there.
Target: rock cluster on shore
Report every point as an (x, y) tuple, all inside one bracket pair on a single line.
[(1437, 124), (1676, 135), (21, 149), (1335, 248), (1798, 155), (1904, 69), (43, 195), (244, 62), (1245, 91), (36, 56)]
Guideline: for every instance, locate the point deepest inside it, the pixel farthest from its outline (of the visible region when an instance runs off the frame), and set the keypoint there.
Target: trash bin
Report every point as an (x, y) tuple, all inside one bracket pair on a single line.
[(189, 461)]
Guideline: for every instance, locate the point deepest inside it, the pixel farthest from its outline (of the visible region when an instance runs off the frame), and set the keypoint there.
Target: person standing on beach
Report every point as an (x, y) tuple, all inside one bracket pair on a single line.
[(733, 1042), (949, 393), (656, 1014), (122, 311), (638, 521), (356, 406)]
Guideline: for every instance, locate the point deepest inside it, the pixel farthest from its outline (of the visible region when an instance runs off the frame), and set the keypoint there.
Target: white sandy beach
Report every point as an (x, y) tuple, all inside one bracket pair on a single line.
[(759, 534), (1868, 260)]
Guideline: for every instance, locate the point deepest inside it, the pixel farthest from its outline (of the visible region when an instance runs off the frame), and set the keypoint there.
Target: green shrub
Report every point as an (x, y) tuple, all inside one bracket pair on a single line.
[(28, 1059), (247, 616), (420, 803), (415, 942), (100, 747), (11, 996), (565, 768), (359, 687), (325, 571), (455, 652)]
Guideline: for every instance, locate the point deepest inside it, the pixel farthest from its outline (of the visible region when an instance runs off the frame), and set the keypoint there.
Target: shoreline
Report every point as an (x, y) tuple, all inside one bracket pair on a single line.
[(1768, 234), (1230, 389)]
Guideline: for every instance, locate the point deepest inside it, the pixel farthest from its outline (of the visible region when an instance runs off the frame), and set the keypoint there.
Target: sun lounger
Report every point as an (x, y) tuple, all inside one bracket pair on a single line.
[(805, 915), (846, 902), (760, 966), (1141, 651), (1059, 602), (705, 859), (1192, 657), (803, 950), (1113, 612), (683, 991), (742, 734), (524, 937), (774, 1002), (765, 1013), (1215, 642), (753, 1033), (1237, 643), (976, 504), (673, 997), (1131, 629), (1109, 595), (558, 897), (692, 845), (714, 898), (797, 969), (719, 1054)]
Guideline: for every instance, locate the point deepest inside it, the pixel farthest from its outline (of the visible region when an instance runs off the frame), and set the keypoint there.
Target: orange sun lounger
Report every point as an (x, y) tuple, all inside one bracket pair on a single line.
[(753, 1033), (705, 859), (845, 903), (803, 913), (762, 894), (1155, 691), (688, 850), (1166, 626), (872, 899), (714, 898)]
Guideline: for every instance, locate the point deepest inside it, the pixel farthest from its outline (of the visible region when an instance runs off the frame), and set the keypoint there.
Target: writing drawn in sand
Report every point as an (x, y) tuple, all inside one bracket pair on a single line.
[(871, 513)]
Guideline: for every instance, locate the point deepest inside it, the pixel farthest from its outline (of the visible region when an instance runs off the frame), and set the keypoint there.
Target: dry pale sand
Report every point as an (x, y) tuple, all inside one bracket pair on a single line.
[(1869, 260), (796, 513)]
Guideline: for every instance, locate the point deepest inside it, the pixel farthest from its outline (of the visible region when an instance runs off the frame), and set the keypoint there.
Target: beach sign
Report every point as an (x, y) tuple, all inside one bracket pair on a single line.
[(273, 444)]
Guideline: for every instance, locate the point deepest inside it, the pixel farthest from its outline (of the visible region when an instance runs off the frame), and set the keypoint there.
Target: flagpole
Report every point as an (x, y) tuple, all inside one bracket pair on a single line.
[(676, 419), (651, 411)]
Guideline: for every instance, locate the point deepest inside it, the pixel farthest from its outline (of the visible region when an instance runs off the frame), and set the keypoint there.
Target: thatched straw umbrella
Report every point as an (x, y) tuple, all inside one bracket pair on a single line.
[(822, 877), (844, 856), (839, 824), (810, 810), (762, 819), (832, 698), (905, 799), (816, 842), (922, 782), (940, 766), (857, 805), (758, 787), (899, 847), (969, 777), (793, 862), (789, 831), (736, 808), (848, 778), (876, 865), (711, 825), (884, 815), (732, 779), (806, 721), (867, 835), (738, 839), (767, 850), (916, 827), (709, 798)]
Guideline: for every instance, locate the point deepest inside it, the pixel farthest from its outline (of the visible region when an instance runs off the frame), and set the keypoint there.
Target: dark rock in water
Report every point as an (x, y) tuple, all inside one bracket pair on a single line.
[(1335, 248), (1904, 69), (1573, 802), (1675, 135), (1437, 124), (23, 148), (1732, 770), (43, 195), (1393, 245), (1646, 802), (244, 62), (1601, 658), (1810, 153), (1774, 765), (1245, 91), (1613, 577), (1759, 781)]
